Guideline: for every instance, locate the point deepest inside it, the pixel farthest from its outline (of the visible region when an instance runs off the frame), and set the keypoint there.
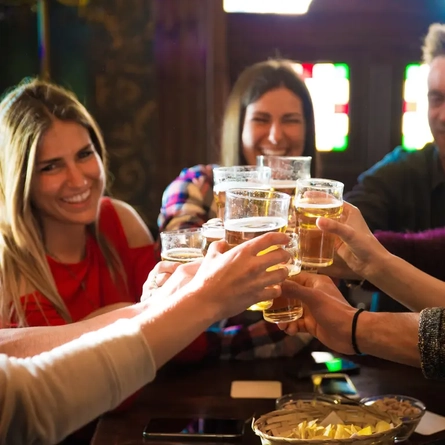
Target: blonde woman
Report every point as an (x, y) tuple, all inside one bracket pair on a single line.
[(66, 251)]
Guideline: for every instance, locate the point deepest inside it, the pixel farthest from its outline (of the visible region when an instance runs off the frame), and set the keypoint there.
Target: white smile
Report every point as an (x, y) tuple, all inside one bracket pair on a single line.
[(274, 152), (78, 198)]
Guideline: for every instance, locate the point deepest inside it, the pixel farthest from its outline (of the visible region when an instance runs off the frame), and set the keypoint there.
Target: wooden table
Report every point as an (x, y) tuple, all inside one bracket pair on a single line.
[(205, 390)]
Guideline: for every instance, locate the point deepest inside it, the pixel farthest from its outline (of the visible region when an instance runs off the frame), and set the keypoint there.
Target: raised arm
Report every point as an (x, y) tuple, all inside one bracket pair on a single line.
[(328, 316), (367, 258), (46, 397)]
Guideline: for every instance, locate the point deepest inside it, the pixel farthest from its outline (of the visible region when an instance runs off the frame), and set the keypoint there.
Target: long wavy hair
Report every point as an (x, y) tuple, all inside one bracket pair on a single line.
[(26, 113), (252, 83)]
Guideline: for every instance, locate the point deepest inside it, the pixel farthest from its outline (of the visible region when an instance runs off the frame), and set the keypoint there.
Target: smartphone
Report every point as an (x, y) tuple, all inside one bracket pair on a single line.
[(197, 427), (334, 384), (324, 363)]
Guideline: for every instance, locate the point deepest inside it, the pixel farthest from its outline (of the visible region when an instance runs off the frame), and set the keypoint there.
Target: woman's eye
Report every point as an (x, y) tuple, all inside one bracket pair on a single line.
[(85, 154), (48, 168)]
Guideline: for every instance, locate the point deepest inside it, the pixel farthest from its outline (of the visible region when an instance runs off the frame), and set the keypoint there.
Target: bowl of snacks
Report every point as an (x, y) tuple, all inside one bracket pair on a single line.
[(317, 422), (288, 401), (407, 409)]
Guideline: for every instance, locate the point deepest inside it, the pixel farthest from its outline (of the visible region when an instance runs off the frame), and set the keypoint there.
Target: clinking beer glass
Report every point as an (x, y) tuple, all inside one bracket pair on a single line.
[(182, 246), (286, 170), (317, 197), (250, 213), (242, 176)]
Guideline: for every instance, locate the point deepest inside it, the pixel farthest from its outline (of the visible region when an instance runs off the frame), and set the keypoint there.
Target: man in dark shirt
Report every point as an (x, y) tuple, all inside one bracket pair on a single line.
[(405, 191)]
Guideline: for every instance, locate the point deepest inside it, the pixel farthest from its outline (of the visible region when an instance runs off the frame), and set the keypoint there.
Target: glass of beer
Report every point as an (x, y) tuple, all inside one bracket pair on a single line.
[(287, 309), (314, 198), (212, 230), (286, 170), (250, 213), (182, 246), (245, 176)]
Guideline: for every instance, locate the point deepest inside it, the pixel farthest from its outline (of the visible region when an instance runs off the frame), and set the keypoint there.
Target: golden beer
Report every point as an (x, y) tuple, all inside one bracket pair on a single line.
[(182, 254), (287, 186), (240, 230), (212, 234), (219, 193), (317, 247), (283, 310), (244, 229)]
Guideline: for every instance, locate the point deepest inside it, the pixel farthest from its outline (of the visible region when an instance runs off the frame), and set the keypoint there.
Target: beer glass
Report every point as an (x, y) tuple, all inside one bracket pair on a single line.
[(250, 213), (285, 172), (287, 309), (314, 198), (212, 230), (245, 176), (182, 246)]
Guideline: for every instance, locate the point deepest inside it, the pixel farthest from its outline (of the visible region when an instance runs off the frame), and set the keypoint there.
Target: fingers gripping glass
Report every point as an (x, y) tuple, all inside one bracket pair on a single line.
[(250, 213)]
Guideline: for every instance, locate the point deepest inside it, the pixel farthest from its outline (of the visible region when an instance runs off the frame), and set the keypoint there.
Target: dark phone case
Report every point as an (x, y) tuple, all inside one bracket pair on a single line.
[(177, 435)]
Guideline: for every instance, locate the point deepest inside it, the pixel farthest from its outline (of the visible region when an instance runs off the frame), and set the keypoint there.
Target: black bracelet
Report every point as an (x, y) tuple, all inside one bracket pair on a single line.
[(354, 327)]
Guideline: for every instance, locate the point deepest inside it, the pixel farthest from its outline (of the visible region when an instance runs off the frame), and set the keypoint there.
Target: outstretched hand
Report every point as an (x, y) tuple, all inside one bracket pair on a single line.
[(236, 278), (327, 315), (358, 252), (233, 279)]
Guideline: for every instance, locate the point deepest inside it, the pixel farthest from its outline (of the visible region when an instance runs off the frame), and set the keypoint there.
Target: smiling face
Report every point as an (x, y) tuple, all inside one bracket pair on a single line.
[(69, 177), (436, 102), (274, 125)]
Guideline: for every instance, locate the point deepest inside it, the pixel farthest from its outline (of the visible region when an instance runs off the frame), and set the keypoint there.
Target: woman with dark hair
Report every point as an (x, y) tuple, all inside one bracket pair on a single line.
[(269, 112)]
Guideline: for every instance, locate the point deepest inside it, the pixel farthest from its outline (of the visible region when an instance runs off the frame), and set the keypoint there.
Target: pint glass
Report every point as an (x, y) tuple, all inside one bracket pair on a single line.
[(250, 213), (287, 309), (314, 198), (245, 176), (212, 230), (182, 246), (286, 170)]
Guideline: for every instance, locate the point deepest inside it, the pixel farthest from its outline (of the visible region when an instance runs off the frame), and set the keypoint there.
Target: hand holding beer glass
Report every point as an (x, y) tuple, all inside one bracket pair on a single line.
[(245, 176), (182, 246), (286, 170), (250, 213), (314, 198)]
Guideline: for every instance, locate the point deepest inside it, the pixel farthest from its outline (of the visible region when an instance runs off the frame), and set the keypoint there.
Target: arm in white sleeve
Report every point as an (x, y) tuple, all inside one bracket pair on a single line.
[(46, 397)]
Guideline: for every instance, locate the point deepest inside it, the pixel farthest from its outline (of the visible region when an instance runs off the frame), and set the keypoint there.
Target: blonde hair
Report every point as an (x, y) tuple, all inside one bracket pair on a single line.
[(434, 43), (26, 113), (253, 82)]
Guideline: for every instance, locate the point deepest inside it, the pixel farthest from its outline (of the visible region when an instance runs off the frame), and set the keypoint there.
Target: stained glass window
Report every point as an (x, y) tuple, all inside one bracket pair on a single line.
[(268, 6), (415, 129), (328, 84)]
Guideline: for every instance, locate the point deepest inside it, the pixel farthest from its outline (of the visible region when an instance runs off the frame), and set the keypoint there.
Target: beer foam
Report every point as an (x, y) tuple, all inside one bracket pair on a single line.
[(224, 186), (216, 233), (255, 224), (310, 205), (283, 183), (182, 254)]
